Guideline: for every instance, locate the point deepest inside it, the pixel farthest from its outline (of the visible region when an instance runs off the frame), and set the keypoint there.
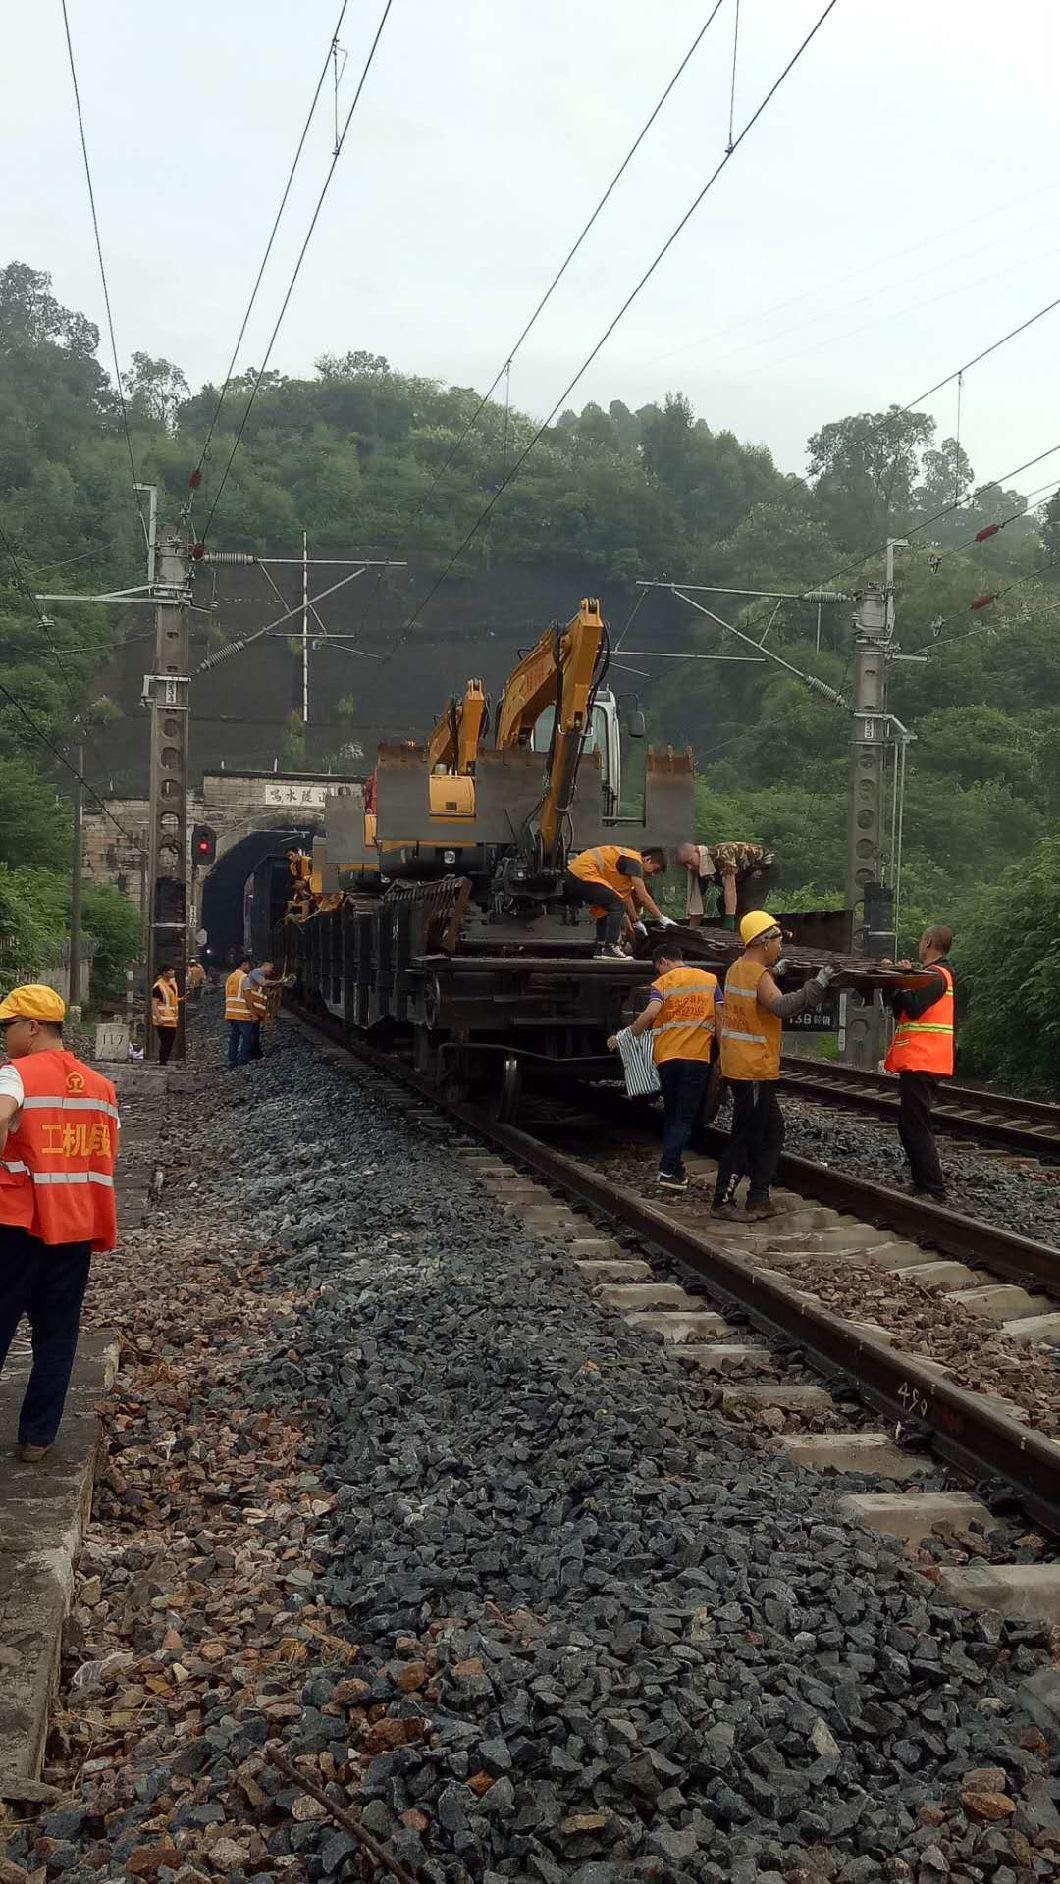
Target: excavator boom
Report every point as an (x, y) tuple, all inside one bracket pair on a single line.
[(454, 743), (562, 671)]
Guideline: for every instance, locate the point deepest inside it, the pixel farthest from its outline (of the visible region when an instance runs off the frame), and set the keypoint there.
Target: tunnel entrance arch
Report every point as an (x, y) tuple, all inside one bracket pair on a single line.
[(242, 850)]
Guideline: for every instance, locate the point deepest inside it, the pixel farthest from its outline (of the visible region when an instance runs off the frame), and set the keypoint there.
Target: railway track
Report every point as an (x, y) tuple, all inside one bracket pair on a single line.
[(1030, 1127), (972, 1432)]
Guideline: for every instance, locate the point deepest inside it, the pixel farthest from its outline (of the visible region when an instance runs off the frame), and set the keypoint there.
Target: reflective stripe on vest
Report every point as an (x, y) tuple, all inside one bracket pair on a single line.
[(926, 1045), (683, 1027), (235, 1006), (57, 1180), (751, 1049), (167, 998)]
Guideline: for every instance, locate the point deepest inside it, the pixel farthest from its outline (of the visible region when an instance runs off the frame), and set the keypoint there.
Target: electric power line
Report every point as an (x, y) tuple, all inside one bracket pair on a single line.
[(298, 264), (268, 246), (992, 348), (575, 246), (102, 270), (489, 508)]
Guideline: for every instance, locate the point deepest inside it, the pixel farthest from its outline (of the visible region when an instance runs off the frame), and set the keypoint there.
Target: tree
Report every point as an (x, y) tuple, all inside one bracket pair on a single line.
[(1009, 942), (863, 470), (155, 389)]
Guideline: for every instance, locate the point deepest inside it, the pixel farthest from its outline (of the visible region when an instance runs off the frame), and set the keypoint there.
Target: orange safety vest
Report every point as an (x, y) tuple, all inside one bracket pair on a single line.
[(57, 1166), (926, 1045), (683, 1027), (600, 865), (255, 998), (750, 1034), (236, 1008), (165, 993)]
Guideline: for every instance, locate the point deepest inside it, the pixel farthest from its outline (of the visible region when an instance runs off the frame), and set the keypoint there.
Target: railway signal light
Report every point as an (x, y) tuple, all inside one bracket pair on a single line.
[(204, 846)]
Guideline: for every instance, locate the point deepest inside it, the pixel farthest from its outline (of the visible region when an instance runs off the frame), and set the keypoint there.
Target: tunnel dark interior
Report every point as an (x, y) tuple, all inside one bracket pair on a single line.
[(224, 891)]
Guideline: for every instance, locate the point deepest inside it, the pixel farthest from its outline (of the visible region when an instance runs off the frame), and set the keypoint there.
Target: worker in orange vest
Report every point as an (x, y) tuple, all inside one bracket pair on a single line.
[(922, 1053), (610, 878), (165, 1012), (58, 1146), (680, 1014), (752, 1011), (237, 1011)]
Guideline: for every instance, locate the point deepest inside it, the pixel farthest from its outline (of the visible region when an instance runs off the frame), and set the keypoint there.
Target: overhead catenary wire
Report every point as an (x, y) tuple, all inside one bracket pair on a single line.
[(39, 734), (332, 44), (102, 269), (505, 367), (337, 153), (489, 508)]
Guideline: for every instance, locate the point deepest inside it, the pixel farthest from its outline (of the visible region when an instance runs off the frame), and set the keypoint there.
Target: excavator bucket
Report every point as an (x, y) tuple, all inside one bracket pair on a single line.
[(348, 855), (669, 804)]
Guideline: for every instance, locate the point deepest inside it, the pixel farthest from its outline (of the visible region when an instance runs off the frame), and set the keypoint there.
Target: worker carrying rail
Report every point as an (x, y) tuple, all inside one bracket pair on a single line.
[(922, 1053), (610, 879), (753, 1010), (680, 1014), (58, 1148)]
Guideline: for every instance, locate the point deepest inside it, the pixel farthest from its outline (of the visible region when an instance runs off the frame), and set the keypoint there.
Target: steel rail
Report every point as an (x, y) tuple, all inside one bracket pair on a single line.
[(1028, 1126), (975, 1437)]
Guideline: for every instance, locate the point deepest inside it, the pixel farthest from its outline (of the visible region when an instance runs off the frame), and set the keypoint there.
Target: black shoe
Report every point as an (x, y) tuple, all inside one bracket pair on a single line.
[(727, 1212), (670, 1181)]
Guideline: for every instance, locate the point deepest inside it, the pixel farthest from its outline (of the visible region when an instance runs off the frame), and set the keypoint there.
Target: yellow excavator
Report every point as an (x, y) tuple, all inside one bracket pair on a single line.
[(550, 779)]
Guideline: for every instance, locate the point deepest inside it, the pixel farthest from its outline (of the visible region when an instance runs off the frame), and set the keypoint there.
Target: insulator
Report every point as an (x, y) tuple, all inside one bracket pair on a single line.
[(241, 559), (982, 601), (825, 595), (990, 530)]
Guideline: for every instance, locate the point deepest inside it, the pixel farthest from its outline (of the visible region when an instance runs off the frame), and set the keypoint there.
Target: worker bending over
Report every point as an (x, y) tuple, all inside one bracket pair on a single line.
[(165, 1012), (58, 1146), (680, 1014), (237, 1012), (256, 988), (702, 870), (922, 1053), (195, 982), (752, 1011), (610, 879)]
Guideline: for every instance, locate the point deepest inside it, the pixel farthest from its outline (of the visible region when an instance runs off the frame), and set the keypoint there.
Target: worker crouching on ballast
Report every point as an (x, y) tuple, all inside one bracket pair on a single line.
[(680, 1014), (753, 1010), (922, 1053), (610, 879), (58, 1147)]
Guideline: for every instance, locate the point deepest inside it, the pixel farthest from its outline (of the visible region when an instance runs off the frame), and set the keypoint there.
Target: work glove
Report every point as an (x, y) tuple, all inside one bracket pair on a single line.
[(666, 922), (641, 928), (781, 967), (825, 977)]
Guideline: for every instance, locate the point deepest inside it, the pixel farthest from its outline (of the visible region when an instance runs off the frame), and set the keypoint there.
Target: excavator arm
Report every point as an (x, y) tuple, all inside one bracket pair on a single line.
[(563, 671), (453, 745)]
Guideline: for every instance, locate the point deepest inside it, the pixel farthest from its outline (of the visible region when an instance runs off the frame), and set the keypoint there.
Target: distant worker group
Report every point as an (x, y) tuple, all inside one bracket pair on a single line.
[(247, 992), (688, 1016)]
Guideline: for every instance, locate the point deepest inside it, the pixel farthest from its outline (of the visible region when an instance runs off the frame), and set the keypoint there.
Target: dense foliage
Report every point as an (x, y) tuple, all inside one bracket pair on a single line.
[(402, 464)]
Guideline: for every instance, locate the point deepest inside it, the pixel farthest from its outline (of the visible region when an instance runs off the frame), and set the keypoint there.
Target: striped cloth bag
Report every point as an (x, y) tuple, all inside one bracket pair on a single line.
[(637, 1054)]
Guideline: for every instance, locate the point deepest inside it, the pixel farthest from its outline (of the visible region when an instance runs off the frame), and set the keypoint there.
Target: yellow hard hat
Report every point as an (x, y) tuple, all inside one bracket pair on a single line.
[(33, 1001), (755, 925)]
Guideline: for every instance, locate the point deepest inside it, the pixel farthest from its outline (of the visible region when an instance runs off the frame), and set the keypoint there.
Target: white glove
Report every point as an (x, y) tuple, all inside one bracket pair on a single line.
[(781, 967), (641, 928), (666, 922), (825, 977)]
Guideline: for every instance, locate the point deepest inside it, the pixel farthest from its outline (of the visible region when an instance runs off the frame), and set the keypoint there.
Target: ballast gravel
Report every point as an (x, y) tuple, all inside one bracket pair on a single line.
[(1016, 1193), (545, 1615)]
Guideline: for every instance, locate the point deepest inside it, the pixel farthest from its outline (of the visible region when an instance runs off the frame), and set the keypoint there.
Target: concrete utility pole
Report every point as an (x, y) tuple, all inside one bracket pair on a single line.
[(873, 636), (74, 1003), (165, 692)]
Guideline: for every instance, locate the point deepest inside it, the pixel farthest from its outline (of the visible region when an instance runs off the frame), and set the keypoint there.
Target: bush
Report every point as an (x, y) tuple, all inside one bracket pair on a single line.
[(1010, 975)]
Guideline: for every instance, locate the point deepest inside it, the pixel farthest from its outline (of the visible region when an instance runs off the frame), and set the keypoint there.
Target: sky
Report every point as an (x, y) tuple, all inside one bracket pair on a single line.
[(892, 212)]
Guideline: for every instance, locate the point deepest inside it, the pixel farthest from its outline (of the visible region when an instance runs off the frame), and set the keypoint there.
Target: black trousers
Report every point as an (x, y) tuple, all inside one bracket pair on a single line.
[(166, 1037), (609, 926), (46, 1282), (915, 1094), (755, 1141), (683, 1083)]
